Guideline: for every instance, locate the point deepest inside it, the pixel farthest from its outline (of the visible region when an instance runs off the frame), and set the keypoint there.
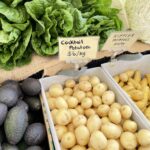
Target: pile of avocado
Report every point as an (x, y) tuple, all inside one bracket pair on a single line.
[(21, 120)]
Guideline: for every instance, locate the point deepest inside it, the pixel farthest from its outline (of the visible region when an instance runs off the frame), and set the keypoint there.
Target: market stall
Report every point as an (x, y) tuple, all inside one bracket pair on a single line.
[(78, 96)]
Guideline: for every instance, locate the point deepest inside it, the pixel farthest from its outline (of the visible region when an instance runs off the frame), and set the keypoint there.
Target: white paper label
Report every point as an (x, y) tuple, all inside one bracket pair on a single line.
[(78, 48), (120, 41)]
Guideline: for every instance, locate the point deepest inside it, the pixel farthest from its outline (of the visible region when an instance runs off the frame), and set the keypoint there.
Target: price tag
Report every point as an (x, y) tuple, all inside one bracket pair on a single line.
[(120, 41), (78, 48)]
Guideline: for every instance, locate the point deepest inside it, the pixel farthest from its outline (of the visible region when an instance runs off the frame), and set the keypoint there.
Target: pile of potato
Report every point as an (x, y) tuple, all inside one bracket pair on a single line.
[(137, 87), (86, 117)]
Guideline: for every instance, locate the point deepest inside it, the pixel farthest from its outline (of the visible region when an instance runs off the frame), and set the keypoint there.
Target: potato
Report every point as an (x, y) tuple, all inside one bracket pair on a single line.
[(98, 141), (135, 84), (123, 77), (99, 89), (116, 105), (68, 140), (79, 95), (114, 115), (84, 78), (137, 76), (86, 103), (60, 130), (56, 90), (121, 84), (128, 140), (72, 102), (130, 126), (96, 100), (117, 79), (94, 80), (89, 94), (85, 86), (70, 127), (143, 137), (70, 83), (80, 110), (147, 112), (111, 130), (78, 147), (144, 147), (76, 87), (68, 91), (108, 97), (93, 123), (51, 103), (53, 113), (60, 103), (112, 145), (103, 110), (79, 120), (89, 112), (126, 111), (73, 113), (65, 97), (82, 135), (130, 73), (63, 117), (136, 95), (105, 120)]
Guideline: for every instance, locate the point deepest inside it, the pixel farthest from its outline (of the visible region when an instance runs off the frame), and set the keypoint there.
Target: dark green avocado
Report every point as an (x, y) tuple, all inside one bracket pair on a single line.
[(23, 105), (7, 146), (8, 95), (35, 134), (15, 124), (31, 86), (3, 113)]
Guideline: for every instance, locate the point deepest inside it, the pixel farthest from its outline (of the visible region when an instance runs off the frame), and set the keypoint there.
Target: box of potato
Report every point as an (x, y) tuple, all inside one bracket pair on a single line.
[(133, 80), (88, 112)]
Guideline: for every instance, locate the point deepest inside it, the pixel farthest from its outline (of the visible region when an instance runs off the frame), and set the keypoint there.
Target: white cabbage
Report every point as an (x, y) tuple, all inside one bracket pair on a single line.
[(138, 12)]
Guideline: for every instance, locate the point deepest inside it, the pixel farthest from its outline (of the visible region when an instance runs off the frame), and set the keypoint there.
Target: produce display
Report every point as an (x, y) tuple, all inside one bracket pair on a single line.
[(137, 87), (87, 116), (28, 26), (21, 124)]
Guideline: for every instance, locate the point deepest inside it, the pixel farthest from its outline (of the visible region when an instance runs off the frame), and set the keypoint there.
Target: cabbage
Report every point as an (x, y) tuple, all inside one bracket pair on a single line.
[(138, 12)]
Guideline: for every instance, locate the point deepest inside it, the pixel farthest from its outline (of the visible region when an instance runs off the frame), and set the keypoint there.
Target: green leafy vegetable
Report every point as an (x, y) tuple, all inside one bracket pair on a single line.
[(35, 25)]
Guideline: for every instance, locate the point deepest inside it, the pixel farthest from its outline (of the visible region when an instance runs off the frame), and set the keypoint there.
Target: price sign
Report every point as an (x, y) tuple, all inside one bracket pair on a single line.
[(120, 41), (78, 48)]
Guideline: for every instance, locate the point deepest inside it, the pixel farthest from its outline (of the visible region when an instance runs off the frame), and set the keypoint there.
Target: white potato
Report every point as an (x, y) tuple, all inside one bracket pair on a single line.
[(60, 130), (126, 111), (94, 80), (68, 140), (79, 109), (70, 127), (53, 113), (105, 120), (82, 135), (144, 147), (93, 123), (103, 110), (73, 113), (60, 103), (112, 145), (143, 137), (63, 117), (86, 103), (89, 94), (78, 147), (111, 130), (79, 120), (84, 78), (115, 105), (99, 89), (72, 102), (108, 97), (51, 103), (130, 126), (70, 83), (56, 90), (85, 86), (98, 141), (128, 140), (89, 112), (114, 115), (96, 100), (68, 91), (79, 95)]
